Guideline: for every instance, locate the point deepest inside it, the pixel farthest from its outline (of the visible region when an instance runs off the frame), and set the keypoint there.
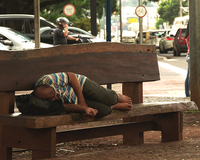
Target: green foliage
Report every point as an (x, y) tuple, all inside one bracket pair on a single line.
[(81, 19), (159, 22), (84, 23), (169, 9)]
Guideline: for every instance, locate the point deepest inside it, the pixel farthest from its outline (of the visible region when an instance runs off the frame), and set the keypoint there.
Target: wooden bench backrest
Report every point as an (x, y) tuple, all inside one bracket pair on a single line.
[(105, 63)]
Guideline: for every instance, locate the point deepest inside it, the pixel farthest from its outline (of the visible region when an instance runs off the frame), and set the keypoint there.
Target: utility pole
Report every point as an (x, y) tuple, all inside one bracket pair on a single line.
[(181, 10), (120, 5), (108, 20), (141, 26), (37, 23), (194, 34), (147, 16), (108, 27), (93, 13)]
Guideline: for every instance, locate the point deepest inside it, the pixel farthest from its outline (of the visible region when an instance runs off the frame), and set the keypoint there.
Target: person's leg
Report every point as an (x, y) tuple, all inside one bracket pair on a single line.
[(95, 92), (187, 82), (189, 77)]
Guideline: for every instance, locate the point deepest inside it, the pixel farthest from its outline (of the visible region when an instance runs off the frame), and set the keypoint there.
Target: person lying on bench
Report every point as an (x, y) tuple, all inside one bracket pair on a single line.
[(80, 94)]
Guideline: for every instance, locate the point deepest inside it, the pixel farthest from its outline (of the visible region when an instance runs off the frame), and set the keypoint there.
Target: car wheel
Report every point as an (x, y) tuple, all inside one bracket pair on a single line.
[(160, 50), (164, 51), (176, 52)]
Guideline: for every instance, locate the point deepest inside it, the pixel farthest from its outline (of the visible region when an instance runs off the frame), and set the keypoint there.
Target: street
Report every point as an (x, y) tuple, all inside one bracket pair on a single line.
[(173, 71)]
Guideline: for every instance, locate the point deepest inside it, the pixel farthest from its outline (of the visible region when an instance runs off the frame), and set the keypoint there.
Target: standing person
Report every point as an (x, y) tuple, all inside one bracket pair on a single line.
[(60, 37), (187, 80), (80, 94)]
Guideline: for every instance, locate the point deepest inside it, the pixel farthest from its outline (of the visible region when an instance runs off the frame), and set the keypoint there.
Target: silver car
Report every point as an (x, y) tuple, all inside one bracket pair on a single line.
[(166, 41), (15, 40)]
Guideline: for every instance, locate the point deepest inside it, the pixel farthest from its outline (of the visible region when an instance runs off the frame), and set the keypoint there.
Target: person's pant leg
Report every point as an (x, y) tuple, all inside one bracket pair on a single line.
[(187, 82), (95, 92)]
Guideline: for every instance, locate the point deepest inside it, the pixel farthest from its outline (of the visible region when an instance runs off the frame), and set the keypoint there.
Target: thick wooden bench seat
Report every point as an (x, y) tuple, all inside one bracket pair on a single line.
[(47, 121), (105, 63)]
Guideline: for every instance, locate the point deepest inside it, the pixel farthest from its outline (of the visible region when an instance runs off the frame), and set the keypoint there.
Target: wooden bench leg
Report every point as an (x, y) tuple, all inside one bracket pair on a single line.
[(5, 153), (7, 106), (42, 142), (43, 154), (134, 91), (136, 138), (171, 126)]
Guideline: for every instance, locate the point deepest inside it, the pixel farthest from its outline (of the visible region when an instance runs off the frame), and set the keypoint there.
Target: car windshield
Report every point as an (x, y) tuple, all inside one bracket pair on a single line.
[(75, 30), (183, 33), (157, 33), (18, 36), (144, 34), (172, 32)]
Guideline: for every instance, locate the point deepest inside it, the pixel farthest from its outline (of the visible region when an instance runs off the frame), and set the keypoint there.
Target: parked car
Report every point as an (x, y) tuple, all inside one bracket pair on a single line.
[(128, 36), (179, 43), (24, 24), (153, 37), (137, 37), (3, 47), (166, 40), (14, 40)]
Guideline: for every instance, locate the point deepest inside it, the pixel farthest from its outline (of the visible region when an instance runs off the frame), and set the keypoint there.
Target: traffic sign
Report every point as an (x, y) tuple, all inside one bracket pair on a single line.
[(69, 10), (140, 11)]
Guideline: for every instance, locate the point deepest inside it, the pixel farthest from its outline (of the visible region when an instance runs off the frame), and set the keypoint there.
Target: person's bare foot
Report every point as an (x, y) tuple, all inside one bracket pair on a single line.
[(122, 106), (124, 99)]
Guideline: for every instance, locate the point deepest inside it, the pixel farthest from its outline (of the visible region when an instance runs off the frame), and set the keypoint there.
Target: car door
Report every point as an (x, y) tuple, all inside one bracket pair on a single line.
[(47, 36), (176, 39), (28, 31)]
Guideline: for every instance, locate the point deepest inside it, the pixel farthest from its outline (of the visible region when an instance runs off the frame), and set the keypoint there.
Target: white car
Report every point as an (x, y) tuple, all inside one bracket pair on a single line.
[(166, 41), (14, 40), (3, 47), (128, 36)]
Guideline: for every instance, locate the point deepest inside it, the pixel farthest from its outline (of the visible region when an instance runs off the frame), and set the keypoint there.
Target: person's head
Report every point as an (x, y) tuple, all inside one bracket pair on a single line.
[(61, 21), (32, 24), (46, 92)]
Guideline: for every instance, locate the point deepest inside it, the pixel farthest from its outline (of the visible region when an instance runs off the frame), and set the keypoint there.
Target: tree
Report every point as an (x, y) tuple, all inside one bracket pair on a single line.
[(159, 22), (169, 9)]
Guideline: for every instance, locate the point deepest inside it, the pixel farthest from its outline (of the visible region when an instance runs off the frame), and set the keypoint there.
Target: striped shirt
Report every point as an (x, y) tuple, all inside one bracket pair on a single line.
[(61, 82)]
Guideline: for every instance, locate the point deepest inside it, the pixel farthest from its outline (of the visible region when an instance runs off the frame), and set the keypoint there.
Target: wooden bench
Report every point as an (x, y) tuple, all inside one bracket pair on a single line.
[(105, 63)]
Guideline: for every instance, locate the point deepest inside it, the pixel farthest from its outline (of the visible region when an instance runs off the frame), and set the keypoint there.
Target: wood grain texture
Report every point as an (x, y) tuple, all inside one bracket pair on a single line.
[(104, 63), (76, 118)]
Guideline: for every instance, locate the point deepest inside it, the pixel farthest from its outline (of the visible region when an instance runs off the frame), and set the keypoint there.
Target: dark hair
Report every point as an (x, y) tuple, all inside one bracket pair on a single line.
[(43, 87)]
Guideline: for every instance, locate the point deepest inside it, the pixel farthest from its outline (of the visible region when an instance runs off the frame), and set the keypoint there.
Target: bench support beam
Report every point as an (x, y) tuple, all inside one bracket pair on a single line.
[(110, 130), (42, 142), (7, 107), (135, 92), (171, 126)]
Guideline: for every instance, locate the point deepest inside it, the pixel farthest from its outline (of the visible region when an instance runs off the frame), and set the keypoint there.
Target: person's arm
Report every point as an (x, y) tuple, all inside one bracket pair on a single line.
[(66, 34), (66, 30), (74, 83), (72, 38), (90, 112)]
